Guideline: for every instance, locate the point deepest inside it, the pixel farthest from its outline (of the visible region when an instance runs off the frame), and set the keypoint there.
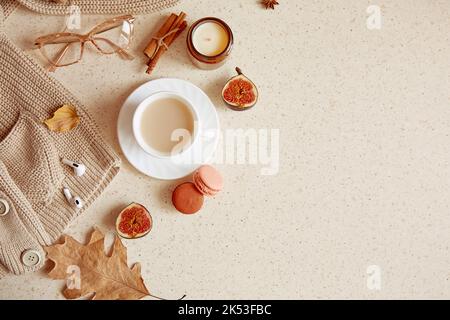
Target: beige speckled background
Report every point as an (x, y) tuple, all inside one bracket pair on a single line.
[(364, 157)]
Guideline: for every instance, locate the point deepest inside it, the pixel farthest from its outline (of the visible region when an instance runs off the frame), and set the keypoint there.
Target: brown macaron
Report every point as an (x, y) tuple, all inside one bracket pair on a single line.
[(187, 199)]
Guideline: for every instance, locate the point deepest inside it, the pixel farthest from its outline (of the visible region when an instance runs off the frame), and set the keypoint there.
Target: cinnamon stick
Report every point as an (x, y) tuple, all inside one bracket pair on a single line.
[(150, 50), (167, 34), (152, 63)]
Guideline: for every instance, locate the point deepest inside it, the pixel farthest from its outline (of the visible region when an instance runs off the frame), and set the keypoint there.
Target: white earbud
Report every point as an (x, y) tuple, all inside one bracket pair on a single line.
[(74, 201), (78, 168)]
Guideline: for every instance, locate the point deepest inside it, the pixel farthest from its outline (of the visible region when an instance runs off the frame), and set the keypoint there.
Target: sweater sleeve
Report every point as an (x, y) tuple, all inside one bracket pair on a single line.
[(3, 271), (21, 233)]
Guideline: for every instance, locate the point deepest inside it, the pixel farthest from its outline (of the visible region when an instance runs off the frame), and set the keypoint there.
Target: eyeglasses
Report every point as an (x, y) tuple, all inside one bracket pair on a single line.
[(109, 37)]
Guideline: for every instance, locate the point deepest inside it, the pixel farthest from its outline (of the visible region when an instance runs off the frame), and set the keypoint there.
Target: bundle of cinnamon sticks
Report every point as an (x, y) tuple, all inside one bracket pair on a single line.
[(162, 40)]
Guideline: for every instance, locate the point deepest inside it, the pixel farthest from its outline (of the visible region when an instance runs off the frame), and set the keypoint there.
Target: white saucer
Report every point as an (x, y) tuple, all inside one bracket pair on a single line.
[(180, 166)]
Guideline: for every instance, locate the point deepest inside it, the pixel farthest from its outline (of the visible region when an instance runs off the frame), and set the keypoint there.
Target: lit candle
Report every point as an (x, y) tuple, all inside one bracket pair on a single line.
[(210, 41)]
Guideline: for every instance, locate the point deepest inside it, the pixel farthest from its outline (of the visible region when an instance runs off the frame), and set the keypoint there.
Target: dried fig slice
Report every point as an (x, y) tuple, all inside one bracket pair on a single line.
[(240, 93), (134, 222)]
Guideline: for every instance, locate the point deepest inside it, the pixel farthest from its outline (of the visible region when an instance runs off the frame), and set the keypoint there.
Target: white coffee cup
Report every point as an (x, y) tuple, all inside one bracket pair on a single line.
[(149, 103)]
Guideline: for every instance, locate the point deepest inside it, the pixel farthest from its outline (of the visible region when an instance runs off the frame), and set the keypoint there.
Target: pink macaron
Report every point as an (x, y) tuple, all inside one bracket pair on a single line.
[(208, 180)]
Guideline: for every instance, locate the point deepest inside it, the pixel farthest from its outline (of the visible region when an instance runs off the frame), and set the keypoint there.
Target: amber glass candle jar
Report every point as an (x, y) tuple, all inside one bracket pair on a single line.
[(209, 43)]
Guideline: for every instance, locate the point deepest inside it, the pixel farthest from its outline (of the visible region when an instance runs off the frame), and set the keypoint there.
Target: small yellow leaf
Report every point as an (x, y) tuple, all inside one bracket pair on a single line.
[(64, 119)]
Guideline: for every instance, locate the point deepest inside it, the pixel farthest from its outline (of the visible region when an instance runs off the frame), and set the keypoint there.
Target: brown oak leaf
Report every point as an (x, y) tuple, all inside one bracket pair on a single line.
[(106, 277)]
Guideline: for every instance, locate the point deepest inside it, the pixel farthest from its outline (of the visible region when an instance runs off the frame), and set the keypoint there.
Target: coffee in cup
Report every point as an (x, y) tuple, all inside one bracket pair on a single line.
[(165, 124)]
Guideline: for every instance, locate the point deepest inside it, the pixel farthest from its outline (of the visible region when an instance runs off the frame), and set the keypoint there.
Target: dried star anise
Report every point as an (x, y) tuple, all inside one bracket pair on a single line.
[(270, 4)]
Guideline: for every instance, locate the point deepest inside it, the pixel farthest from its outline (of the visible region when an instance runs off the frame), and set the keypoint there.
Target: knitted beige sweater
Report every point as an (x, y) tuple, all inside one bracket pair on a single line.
[(60, 7), (31, 173)]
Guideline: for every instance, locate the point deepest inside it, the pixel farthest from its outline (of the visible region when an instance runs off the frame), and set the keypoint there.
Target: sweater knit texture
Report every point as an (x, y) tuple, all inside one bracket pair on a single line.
[(9, 6), (31, 173), (98, 6)]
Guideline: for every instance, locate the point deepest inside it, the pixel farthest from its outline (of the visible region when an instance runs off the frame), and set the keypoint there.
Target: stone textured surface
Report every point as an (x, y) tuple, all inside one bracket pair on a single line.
[(364, 156)]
